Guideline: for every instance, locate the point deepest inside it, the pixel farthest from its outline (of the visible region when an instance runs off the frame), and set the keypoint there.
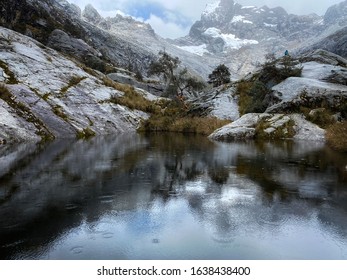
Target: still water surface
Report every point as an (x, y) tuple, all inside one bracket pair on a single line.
[(172, 197)]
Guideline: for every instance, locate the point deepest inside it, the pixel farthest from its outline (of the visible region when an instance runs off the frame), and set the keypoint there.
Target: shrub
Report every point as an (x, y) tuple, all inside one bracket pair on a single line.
[(274, 71), (133, 100), (175, 119), (219, 76), (196, 125), (321, 117), (252, 97), (337, 136), (255, 93)]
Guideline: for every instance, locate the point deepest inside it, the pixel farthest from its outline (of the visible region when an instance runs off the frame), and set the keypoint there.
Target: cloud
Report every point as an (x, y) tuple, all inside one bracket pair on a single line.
[(167, 29)]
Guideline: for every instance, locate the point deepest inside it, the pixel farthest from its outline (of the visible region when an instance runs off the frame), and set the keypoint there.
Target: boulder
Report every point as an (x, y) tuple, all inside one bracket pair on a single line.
[(270, 126), (241, 129)]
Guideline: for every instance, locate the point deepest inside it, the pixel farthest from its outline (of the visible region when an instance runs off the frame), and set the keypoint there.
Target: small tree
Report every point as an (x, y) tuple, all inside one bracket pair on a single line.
[(187, 83), (177, 82), (219, 76), (165, 66)]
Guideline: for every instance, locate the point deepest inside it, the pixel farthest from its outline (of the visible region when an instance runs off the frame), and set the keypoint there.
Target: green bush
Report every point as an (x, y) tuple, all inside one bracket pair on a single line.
[(253, 92), (252, 97)]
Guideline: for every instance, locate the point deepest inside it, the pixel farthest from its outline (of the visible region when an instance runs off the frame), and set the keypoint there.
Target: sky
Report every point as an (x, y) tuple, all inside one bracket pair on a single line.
[(173, 18)]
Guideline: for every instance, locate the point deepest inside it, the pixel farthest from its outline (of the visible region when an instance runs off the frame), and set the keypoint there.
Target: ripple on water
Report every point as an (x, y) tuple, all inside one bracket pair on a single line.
[(272, 219), (222, 240), (76, 250), (107, 235), (106, 198), (71, 206)]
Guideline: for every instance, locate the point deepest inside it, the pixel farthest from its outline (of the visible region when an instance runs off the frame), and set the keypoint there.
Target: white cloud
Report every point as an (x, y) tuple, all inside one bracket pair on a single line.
[(167, 29)]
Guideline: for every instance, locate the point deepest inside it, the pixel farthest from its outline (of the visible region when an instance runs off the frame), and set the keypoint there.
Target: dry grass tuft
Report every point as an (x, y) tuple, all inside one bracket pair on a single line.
[(337, 136)]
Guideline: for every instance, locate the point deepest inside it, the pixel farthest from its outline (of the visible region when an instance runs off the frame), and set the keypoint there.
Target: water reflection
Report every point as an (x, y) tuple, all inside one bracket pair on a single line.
[(172, 197)]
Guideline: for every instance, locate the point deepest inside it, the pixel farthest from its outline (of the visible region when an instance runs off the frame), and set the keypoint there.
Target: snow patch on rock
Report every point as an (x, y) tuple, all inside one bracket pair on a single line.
[(198, 50), (230, 40), (211, 8)]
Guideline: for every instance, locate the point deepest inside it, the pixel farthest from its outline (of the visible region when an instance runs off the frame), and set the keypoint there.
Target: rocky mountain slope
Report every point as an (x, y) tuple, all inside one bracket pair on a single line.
[(242, 35), (46, 95), (103, 44)]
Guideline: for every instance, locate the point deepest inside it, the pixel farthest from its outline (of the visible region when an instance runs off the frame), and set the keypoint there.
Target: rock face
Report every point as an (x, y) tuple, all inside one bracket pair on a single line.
[(335, 43), (219, 102), (47, 95), (337, 14), (61, 41)]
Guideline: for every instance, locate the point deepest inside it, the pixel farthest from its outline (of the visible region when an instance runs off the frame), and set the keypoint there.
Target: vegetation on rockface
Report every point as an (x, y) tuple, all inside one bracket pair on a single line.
[(264, 130), (11, 77), (252, 96), (320, 116), (255, 92), (131, 98), (165, 66), (175, 118), (186, 83), (74, 81), (321, 109), (337, 136), (274, 71), (85, 133), (166, 115), (23, 111), (58, 110), (219, 76)]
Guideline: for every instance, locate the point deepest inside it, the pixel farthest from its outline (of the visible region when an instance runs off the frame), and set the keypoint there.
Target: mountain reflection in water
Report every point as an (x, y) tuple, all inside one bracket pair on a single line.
[(172, 197)]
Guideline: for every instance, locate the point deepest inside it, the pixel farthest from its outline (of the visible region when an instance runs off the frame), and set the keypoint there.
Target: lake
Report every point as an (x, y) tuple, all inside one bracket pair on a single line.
[(172, 196)]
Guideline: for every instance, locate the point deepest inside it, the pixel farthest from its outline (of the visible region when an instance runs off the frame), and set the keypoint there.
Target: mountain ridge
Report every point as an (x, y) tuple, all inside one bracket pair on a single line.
[(226, 30)]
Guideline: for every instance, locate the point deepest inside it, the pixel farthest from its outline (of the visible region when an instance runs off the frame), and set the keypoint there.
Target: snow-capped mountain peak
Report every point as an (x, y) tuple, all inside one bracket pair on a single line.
[(211, 8)]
